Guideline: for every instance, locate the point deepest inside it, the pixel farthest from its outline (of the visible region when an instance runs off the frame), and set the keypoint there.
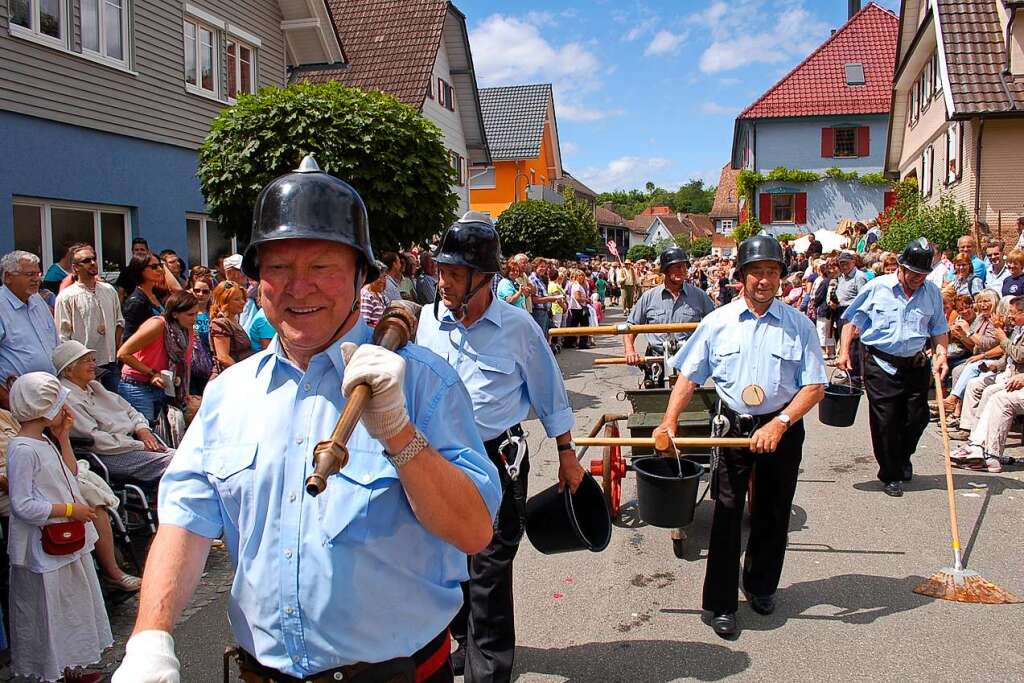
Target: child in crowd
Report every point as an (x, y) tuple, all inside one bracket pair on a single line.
[(58, 619)]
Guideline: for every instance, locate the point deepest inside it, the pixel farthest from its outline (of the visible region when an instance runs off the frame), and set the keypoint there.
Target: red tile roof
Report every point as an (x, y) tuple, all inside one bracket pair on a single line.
[(727, 201), (391, 46), (656, 211), (817, 86), (606, 216), (720, 240), (699, 224)]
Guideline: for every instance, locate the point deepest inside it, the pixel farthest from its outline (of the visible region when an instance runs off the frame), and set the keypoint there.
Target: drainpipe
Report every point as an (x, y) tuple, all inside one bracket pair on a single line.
[(1006, 65)]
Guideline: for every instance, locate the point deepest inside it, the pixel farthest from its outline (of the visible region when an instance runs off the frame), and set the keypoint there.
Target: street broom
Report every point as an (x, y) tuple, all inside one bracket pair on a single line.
[(957, 582)]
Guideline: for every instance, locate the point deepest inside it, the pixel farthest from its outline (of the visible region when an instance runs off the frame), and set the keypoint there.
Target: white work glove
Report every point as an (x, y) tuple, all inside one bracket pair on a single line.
[(149, 658), (384, 371)]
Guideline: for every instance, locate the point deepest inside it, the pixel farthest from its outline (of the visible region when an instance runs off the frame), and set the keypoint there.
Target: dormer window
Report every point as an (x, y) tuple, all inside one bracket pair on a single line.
[(854, 74)]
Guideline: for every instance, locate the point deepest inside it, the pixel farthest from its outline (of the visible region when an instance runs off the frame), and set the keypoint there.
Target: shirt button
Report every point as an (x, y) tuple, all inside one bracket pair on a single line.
[(288, 553), (288, 610), (291, 497), (307, 387), (299, 439)]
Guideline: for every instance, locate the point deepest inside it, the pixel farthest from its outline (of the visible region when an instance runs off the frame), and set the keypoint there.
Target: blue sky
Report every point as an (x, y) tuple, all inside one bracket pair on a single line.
[(647, 90)]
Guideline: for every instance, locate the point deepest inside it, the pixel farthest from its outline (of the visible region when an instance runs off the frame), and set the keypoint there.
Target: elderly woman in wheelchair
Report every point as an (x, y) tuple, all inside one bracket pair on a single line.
[(119, 434)]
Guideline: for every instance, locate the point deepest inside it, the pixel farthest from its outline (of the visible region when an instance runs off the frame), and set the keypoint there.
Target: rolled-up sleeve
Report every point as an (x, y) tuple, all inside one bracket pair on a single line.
[(692, 361), (187, 497), (449, 428), (546, 389), (812, 370)]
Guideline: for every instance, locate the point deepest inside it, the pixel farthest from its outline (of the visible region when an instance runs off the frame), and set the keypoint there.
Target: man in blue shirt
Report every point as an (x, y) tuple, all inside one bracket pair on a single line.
[(768, 370), (28, 333), (895, 316), (361, 582), (504, 360), (674, 301), (968, 247)]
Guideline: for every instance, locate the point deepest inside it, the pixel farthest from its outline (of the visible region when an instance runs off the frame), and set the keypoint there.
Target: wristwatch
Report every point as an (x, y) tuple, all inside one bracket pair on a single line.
[(784, 419), (417, 444)]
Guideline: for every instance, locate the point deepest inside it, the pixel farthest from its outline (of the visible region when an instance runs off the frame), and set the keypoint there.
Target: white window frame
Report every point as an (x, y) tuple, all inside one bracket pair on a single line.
[(927, 171), (34, 34), (478, 172), (197, 89), (204, 246), (727, 226), (232, 40), (102, 55), (792, 208), (954, 150), (46, 226)]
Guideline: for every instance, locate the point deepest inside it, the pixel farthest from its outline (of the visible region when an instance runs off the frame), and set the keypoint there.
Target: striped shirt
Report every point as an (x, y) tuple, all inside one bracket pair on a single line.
[(371, 306)]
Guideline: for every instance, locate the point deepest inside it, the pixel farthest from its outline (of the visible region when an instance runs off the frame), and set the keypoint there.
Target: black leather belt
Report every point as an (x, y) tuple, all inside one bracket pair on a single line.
[(744, 424)]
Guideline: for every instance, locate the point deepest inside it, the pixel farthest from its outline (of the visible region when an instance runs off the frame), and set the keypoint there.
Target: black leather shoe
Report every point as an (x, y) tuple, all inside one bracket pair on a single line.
[(894, 489), (724, 624), (458, 661), (763, 604)]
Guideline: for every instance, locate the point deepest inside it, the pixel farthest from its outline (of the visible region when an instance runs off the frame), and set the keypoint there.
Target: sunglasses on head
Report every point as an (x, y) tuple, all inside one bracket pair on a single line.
[(154, 266)]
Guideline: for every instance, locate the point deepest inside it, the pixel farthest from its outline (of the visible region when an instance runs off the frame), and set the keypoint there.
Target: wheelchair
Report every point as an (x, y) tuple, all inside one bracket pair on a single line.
[(134, 519)]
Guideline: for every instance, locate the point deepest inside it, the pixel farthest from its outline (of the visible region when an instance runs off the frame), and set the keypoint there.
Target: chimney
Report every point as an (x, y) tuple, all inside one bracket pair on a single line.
[(854, 6)]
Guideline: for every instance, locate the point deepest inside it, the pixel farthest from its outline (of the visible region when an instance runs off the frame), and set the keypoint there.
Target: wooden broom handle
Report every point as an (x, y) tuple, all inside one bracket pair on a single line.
[(679, 442), (949, 465), (625, 328)]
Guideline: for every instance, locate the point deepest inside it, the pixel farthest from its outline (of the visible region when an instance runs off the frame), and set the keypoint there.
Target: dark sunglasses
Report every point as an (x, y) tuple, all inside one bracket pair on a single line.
[(84, 261), (155, 266)]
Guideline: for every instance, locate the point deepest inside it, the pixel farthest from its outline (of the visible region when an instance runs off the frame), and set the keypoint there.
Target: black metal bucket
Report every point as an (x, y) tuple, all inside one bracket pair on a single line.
[(666, 490), (839, 407), (560, 522)]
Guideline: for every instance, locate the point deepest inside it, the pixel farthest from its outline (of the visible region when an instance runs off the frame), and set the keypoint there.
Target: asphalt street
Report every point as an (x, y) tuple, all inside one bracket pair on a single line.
[(846, 608)]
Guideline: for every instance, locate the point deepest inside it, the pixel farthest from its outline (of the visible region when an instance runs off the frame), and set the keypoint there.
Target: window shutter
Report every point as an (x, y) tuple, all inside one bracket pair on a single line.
[(863, 141), (765, 203), (828, 143), (889, 200), (800, 207)]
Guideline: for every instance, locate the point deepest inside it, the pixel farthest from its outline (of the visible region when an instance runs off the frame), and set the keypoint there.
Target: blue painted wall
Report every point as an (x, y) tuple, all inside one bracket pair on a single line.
[(796, 143), (828, 202), (49, 160)]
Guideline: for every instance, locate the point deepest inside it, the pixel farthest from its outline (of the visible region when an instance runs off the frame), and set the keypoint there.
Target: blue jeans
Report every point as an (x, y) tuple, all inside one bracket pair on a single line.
[(541, 316), (968, 372), (146, 399)]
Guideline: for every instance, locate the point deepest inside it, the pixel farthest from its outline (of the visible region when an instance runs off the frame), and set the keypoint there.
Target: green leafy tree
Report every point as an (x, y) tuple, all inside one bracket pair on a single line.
[(387, 151), (540, 228), (746, 229), (586, 235), (693, 197), (641, 251), (694, 248), (943, 223)]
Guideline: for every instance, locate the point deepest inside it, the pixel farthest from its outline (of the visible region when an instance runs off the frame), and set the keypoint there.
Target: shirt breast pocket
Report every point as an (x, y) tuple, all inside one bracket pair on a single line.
[(491, 372), (917, 323), (789, 357), (232, 470), (362, 501), (725, 355)]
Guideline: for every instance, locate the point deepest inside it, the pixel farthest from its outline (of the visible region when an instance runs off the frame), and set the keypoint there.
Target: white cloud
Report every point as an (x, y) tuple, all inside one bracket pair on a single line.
[(569, 148), (663, 43), (640, 29), (510, 50), (794, 33), (623, 173), (715, 109), (730, 81)]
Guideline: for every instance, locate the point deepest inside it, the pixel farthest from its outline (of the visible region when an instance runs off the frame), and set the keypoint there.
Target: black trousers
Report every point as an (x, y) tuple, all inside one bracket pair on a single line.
[(776, 474), (898, 408), (485, 626)]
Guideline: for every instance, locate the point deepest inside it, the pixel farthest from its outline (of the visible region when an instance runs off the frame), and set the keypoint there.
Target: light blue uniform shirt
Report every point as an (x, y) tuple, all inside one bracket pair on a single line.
[(505, 362), (28, 335), (778, 351), (349, 576), (893, 323)]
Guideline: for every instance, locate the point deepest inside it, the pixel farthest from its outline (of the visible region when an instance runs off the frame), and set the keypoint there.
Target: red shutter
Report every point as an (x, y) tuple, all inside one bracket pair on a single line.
[(863, 141), (800, 207), (828, 143), (743, 214), (765, 203), (889, 200)]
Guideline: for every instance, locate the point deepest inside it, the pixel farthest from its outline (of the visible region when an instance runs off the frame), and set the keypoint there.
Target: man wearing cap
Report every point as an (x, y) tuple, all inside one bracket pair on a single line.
[(360, 583), (768, 370), (848, 285), (673, 301), (504, 360), (895, 317)]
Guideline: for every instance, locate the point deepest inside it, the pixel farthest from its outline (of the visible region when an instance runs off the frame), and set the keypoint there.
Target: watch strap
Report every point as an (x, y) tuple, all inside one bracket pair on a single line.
[(417, 444)]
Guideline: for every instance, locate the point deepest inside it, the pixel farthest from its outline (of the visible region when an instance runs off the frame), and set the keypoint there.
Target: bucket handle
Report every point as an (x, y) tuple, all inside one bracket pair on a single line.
[(674, 451), (849, 380)]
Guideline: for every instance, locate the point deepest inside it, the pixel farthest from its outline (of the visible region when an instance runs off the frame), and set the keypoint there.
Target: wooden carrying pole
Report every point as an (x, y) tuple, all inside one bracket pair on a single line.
[(679, 442), (624, 328)]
